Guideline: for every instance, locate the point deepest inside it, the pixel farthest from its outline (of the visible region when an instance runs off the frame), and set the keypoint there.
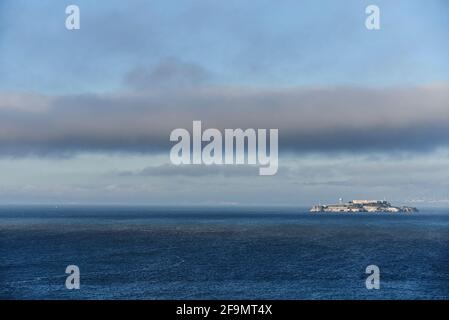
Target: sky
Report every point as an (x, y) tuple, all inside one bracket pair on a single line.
[(85, 115)]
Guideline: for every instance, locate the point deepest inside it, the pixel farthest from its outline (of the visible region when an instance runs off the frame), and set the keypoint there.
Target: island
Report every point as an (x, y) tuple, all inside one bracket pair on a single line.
[(362, 206)]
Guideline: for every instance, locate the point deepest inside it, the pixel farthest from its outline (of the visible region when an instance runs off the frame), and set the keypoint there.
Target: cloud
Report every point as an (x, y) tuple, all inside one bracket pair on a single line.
[(193, 171), (31, 102), (320, 119), (170, 72)]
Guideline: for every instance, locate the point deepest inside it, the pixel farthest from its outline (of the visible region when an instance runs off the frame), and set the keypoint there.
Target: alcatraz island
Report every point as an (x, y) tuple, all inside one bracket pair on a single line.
[(362, 206)]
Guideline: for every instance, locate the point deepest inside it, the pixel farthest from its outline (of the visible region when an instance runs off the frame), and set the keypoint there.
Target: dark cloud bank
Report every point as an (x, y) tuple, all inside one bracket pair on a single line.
[(141, 119)]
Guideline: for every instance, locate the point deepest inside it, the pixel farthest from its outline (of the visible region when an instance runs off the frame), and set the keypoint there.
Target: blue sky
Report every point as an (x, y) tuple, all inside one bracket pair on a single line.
[(85, 115), (253, 42)]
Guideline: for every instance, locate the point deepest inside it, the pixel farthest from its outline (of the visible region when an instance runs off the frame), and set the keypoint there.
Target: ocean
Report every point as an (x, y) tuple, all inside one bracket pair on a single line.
[(221, 253)]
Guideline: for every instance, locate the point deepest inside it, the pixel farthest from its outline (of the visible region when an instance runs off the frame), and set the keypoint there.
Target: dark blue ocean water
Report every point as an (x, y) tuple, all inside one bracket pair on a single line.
[(221, 253)]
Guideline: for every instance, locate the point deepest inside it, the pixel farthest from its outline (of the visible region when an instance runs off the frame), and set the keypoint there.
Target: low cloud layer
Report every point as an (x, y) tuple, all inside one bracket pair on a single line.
[(309, 119), (167, 170)]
